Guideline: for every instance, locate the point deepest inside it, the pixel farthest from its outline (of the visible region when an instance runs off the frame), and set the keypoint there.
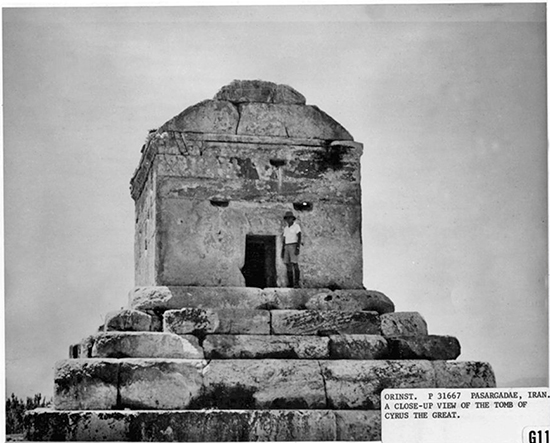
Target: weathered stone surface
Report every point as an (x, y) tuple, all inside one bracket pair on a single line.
[(357, 384), (159, 384), (85, 384), (358, 425), (425, 347), (288, 95), (295, 425), (191, 320), (128, 320), (464, 374), (262, 384), (225, 163), (146, 345), (265, 346), (242, 91), (200, 244), (210, 116), (193, 426), (208, 165), (214, 321), (220, 425), (351, 300), (263, 119), (294, 322), (289, 298), (162, 298), (403, 324), (49, 425), (358, 347), (301, 121)]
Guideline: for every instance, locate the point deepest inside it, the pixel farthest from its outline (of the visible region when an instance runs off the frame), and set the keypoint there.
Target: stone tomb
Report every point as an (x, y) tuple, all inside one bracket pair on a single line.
[(214, 182), (212, 346)]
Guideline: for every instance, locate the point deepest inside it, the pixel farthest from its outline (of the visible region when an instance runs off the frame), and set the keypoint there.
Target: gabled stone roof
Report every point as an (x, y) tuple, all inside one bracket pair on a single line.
[(258, 108)]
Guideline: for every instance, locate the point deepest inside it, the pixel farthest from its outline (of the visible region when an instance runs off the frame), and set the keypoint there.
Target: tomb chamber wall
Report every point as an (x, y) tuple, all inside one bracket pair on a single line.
[(211, 191)]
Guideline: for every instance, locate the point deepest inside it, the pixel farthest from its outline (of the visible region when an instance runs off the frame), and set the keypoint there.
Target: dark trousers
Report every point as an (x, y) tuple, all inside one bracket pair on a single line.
[(293, 275)]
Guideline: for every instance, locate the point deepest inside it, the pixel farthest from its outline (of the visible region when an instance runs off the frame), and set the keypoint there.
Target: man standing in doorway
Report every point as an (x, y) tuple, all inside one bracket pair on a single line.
[(292, 239)]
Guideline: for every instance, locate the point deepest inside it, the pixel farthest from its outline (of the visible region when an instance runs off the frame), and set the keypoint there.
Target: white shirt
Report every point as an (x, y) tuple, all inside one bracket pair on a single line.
[(290, 233)]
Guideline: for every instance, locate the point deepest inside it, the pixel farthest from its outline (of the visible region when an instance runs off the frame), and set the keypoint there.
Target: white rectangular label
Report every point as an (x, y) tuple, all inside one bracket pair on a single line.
[(506, 415)]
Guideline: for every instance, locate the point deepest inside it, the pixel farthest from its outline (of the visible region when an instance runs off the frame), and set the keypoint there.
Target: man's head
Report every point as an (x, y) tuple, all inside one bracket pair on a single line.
[(289, 218)]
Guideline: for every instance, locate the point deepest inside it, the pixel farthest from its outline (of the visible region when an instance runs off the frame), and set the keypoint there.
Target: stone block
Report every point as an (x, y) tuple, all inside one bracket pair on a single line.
[(357, 384), (242, 425), (85, 384), (209, 116), (295, 425), (297, 121), (146, 345), (358, 425), (265, 346), (288, 95), (403, 323), (262, 119), (358, 347), (262, 384), (157, 299), (311, 122), (424, 347), (324, 299), (49, 425), (188, 167), (162, 298), (351, 300), (243, 91), (214, 321), (294, 322), (159, 383), (128, 320), (464, 374), (190, 426), (289, 298)]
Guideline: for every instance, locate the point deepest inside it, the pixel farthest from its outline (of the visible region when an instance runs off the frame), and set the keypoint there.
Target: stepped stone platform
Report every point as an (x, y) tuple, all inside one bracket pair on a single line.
[(271, 364), (201, 353)]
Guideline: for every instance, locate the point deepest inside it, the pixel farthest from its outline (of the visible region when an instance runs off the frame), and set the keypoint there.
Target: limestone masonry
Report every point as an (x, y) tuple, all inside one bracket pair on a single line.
[(212, 345)]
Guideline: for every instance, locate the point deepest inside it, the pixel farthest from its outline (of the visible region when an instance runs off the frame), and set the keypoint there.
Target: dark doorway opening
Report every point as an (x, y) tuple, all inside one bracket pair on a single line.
[(259, 261)]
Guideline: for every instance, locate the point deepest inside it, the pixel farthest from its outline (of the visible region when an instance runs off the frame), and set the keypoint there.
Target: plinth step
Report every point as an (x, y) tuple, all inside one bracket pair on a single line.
[(94, 384), (204, 425), (227, 346), (161, 298), (204, 321)]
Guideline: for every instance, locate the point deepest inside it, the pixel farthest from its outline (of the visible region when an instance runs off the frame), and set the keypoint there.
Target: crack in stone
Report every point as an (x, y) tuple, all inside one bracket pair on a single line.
[(324, 384), (184, 145), (118, 394), (270, 323), (238, 107)]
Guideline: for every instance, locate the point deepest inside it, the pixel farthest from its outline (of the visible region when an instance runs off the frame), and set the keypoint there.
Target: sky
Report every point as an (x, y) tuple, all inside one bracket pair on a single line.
[(448, 100)]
